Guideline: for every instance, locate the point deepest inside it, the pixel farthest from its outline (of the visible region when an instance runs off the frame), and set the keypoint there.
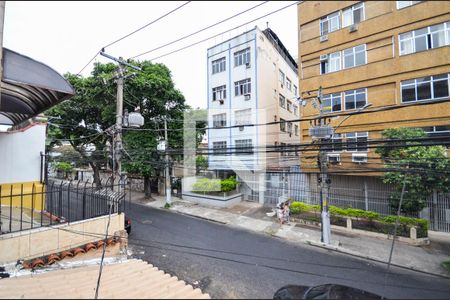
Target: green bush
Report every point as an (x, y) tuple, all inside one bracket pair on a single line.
[(63, 166), (405, 222), (206, 185)]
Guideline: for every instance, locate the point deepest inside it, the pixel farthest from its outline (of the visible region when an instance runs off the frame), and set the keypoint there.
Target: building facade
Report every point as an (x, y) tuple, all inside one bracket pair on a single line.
[(252, 79), (390, 55)]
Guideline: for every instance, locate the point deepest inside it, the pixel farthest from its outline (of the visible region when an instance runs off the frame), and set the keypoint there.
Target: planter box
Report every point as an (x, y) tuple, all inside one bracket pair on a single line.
[(210, 200), (412, 239)]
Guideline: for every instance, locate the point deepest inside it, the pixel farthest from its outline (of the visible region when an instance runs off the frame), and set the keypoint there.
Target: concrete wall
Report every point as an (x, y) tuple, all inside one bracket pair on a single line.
[(20, 159), (213, 200), (46, 240)]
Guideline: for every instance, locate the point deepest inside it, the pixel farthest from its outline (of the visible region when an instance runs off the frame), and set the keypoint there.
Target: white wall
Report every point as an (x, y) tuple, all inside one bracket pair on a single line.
[(20, 159)]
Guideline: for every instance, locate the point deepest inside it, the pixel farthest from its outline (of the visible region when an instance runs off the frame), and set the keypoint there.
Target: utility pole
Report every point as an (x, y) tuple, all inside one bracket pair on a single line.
[(168, 184), (117, 132)]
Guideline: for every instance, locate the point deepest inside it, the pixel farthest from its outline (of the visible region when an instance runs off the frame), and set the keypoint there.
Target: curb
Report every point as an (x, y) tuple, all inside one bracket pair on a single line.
[(314, 244)]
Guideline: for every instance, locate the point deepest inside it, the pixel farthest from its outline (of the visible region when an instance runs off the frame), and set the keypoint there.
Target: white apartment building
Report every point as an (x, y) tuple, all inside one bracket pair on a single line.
[(252, 79)]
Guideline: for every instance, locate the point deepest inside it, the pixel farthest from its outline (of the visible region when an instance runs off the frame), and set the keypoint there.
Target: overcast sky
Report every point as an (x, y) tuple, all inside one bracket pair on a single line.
[(66, 35)]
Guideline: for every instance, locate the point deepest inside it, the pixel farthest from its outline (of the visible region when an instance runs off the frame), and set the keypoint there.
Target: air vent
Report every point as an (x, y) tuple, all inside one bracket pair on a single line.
[(324, 38), (353, 28), (359, 157)]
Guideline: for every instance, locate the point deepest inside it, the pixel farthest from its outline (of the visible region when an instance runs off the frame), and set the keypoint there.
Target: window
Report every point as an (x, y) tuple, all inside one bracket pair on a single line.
[(281, 77), (243, 117), (219, 147), (282, 101), (219, 93), (289, 106), (296, 130), (283, 149), (331, 64), (425, 88), (355, 99), (242, 87), (443, 130), (218, 65), (282, 125), (219, 120), (329, 23), (295, 90), (243, 146), (242, 57), (295, 110), (289, 127), (336, 143), (331, 102), (353, 15), (403, 4), (355, 56), (288, 84), (425, 38), (357, 141)]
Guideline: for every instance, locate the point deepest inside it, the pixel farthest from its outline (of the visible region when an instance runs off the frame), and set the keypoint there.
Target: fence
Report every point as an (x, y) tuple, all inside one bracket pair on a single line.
[(27, 207), (367, 193)]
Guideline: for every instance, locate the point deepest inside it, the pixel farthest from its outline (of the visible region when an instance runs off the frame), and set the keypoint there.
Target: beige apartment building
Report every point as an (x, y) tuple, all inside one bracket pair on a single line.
[(368, 55)]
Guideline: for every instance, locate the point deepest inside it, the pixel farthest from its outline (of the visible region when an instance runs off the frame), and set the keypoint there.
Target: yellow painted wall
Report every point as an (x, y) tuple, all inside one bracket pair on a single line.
[(20, 194)]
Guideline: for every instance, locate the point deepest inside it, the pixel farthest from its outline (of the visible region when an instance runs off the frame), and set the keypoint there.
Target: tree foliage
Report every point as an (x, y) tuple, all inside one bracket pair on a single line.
[(424, 169), (85, 118)]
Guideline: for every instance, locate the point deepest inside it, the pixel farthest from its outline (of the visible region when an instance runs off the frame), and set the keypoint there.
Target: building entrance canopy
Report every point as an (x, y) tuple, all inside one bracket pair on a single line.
[(28, 87)]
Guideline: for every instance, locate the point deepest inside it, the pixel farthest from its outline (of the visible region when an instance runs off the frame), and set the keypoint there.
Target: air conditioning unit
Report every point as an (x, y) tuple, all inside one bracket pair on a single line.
[(324, 38), (334, 158), (324, 57), (221, 101), (241, 128), (282, 85), (247, 65), (359, 157), (247, 96), (353, 28)]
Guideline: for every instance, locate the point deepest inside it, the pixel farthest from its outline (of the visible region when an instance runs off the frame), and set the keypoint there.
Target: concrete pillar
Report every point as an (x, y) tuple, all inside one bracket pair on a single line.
[(413, 233), (261, 187), (349, 224)]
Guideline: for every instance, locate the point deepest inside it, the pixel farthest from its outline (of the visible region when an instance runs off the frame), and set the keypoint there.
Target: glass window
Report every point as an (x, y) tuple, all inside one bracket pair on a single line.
[(282, 125), (219, 93), (331, 102), (425, 88), (356, 141), (289, 106), (295, 110), (355, 56), (242, 57), (403, 4), (282, 101), (335, 62), (353, 15), (219, 120), (296, 129), (288, 84), (295, 90), (336, 143), (329, 23), (425, 38), (355, 98), (243, 146), (243, 117), (242, 87), (282, 77), (219, 147), (218, 65)]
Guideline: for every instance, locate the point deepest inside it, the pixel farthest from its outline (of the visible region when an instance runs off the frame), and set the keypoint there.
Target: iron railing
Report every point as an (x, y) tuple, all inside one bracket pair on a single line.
[(24, 207)]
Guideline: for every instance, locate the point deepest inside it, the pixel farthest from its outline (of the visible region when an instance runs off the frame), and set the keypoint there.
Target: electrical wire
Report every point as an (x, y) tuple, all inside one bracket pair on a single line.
[(198, 31)]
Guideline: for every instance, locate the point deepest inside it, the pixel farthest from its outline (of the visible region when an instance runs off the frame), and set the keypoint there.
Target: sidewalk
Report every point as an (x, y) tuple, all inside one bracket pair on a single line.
[(252, 216)]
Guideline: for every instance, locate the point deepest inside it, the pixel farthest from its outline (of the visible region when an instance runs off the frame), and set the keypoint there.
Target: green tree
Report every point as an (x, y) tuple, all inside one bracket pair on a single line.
[(95, 103), (422, 168)]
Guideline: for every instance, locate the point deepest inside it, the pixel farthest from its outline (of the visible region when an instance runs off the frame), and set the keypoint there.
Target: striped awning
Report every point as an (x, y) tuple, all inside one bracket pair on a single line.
[(29, 87)]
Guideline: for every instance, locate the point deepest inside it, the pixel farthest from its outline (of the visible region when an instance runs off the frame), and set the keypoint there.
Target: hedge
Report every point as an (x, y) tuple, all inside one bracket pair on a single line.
[(206, 185), (388, 221)]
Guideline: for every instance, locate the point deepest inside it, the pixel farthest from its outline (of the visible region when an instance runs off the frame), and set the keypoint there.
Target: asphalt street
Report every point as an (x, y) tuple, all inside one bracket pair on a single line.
[(230, 263)]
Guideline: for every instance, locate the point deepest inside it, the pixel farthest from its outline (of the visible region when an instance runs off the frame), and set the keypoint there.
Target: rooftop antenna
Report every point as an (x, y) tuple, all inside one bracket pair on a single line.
[(267, 24)]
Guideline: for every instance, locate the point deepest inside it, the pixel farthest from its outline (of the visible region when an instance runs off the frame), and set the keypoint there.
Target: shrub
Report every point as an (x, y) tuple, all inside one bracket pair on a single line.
[(63, 166), (207, 185), (228, 185), (299, 207)]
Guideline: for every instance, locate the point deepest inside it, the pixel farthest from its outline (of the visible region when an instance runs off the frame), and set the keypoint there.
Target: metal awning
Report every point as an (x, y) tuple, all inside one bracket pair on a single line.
[(29, 87)]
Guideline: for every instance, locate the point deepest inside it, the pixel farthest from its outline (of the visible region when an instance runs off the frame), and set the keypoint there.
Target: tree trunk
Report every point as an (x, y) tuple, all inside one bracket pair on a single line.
[(147, 187), (96, 171)]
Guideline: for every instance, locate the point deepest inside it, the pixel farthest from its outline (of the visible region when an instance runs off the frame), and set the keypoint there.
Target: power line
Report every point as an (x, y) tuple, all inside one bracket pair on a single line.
[(148, 24), (198, 31), (204, 40)]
